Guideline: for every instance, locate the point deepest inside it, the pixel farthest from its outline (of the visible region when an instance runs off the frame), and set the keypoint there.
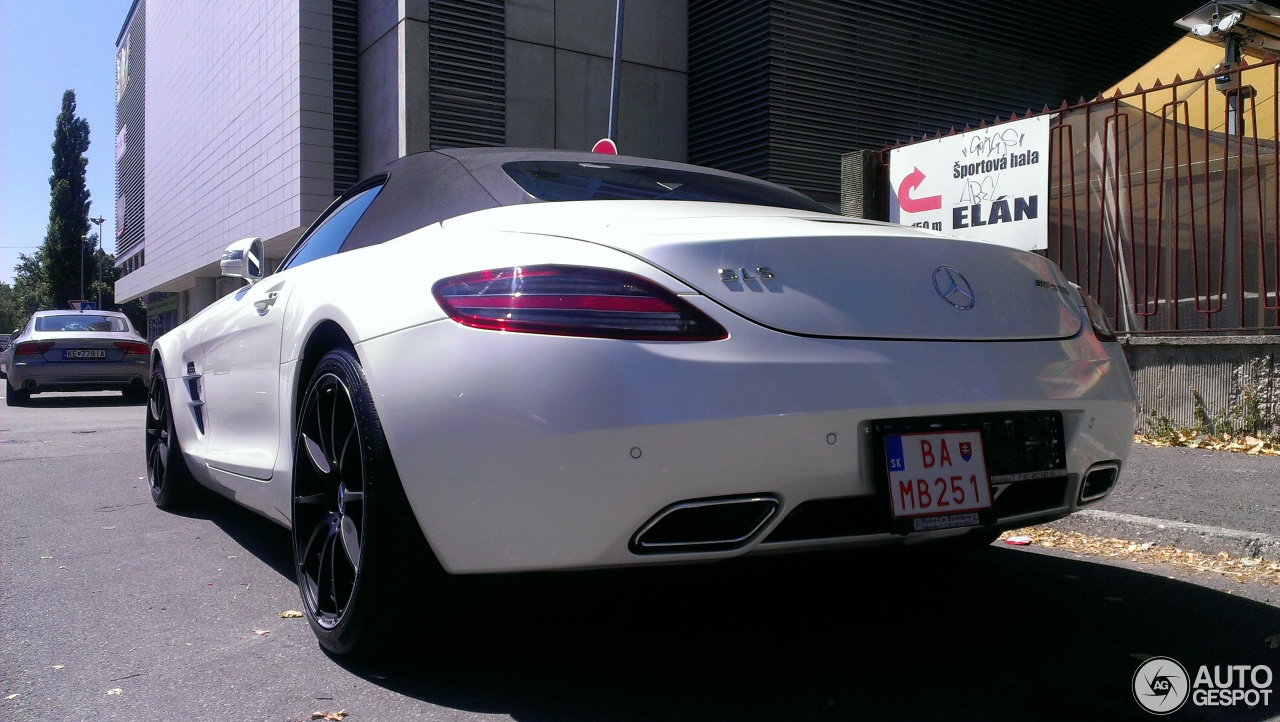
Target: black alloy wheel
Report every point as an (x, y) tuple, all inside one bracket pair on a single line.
[(167, 473), (350, 517)]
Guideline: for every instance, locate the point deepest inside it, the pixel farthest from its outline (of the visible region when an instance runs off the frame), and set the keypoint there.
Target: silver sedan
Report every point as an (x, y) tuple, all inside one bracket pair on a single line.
[(76, 351)]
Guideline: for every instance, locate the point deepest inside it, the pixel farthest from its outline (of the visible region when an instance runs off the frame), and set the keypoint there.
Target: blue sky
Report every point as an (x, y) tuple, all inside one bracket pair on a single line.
[(47, 47)]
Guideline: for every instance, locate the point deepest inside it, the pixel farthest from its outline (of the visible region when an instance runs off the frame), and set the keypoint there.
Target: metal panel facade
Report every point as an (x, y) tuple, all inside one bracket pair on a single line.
[(834, 76), (131, 134), (467, 73), (346, 116)]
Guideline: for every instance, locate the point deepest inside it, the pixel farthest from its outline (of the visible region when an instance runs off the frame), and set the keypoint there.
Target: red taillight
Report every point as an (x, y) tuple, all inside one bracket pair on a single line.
[(32, 348), (133, 347), (573, 301)]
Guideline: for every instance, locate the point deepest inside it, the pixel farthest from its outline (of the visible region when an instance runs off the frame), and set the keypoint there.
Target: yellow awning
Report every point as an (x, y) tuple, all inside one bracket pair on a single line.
[(1183, 59)]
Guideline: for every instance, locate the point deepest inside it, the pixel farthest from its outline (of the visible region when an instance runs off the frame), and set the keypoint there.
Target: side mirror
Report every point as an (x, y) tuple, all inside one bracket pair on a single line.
[(243, 259)]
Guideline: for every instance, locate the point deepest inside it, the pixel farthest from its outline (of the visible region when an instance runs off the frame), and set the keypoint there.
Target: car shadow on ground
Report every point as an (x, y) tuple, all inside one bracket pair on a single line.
[(999, 634), (68, 400), (266, 540), (1003, 634)]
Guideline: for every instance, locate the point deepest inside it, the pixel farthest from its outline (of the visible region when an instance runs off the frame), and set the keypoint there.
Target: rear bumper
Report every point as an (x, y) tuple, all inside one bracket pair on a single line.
[(522, 452), (40, 376)]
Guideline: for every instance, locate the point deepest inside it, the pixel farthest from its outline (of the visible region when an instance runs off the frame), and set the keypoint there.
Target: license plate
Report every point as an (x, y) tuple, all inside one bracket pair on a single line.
[(937, 473), (84, 353)]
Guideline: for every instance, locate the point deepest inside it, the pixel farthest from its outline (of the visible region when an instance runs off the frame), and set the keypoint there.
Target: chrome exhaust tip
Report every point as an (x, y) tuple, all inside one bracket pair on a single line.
[(1099, 481), (704, 525)]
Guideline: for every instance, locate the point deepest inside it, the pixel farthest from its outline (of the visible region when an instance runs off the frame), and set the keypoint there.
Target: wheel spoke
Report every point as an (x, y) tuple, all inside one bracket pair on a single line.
[(346, 446), (351, 541), (324, 420), (316, 538), (324, 577), (316, 455), (331, 549), (307, 551), (333, 420), (156, 466), (320, 498)]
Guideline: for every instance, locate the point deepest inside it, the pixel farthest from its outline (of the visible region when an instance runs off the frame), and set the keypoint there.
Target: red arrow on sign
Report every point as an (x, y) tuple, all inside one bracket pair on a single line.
[(916, 205)]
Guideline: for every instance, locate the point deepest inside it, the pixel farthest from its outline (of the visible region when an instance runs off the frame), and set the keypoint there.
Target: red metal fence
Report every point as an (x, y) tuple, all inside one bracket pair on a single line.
[(1165, 202)]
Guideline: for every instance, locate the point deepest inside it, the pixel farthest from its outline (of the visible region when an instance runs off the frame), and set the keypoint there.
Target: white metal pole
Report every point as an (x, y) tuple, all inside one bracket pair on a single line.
[(617, 74)]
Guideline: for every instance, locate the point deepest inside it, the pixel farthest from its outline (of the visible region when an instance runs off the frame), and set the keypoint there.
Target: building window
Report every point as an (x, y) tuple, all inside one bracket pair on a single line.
[(122, 68)]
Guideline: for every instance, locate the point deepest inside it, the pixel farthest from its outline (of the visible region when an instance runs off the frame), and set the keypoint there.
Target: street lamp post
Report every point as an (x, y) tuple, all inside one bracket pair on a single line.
[(83, 238), (99, 221)]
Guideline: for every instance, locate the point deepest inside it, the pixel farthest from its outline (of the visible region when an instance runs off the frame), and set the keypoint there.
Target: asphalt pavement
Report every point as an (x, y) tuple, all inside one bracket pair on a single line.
[(1199, 499), (111, 609)]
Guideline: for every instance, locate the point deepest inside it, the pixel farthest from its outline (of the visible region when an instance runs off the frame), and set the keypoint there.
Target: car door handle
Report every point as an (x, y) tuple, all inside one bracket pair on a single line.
[(263, 304)]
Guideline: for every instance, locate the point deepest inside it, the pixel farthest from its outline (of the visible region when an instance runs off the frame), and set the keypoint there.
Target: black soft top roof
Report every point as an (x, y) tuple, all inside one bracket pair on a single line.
[(425, 188)]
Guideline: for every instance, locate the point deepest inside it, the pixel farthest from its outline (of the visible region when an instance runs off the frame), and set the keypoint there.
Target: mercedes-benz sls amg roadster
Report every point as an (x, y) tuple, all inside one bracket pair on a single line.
[(524, 360)]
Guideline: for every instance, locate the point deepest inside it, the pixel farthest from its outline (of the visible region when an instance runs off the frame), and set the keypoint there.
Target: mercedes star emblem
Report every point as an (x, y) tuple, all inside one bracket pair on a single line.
[(952, 286)]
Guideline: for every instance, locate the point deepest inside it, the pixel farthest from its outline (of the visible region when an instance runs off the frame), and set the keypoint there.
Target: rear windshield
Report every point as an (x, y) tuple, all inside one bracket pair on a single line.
[(572, 181), (82, 322)]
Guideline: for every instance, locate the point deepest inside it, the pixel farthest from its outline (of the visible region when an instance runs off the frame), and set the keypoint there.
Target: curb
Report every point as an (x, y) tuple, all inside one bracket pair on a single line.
[(1183, 535)]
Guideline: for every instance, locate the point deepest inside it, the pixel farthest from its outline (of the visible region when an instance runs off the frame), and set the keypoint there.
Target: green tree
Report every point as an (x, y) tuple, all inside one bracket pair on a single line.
[(10, 313), (63, 258), (30, 290)]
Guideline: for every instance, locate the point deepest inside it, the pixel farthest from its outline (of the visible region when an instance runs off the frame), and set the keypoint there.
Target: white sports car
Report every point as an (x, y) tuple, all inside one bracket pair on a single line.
[(666, 364)]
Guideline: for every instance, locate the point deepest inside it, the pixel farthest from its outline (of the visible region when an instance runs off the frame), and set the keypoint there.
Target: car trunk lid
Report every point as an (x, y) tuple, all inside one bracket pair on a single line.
[(827, 276)]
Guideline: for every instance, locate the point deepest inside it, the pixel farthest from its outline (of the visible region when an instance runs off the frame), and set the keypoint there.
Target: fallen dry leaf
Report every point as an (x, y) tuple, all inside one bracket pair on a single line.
[(329, 716), (262, 632), (58, 666), (290, 614), (12, 696), (1249, 445), (1242, 569), (115, 692)]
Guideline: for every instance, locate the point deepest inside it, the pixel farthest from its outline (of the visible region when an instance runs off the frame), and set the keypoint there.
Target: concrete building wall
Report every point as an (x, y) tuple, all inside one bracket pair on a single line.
[(239, 109), (1211, 383), (239, 142), (394, 56), (558, 72), (559, 68)]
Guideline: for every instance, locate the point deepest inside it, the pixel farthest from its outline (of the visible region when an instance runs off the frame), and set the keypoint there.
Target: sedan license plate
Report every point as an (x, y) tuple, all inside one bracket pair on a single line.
[(937, 479), (84, 353)]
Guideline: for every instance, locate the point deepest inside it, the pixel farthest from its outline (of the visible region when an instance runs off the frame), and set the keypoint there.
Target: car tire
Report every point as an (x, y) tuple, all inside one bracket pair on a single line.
[(172, 485), (15, 396), (355, 541)]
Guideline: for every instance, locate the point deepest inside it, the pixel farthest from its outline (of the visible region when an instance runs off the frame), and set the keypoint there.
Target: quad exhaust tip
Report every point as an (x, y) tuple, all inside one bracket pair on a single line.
[(1099, 481), (703, 525)]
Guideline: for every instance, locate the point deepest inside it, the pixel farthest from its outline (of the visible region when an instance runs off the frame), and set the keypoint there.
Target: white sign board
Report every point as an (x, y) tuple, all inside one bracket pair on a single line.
[(989, 185)]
